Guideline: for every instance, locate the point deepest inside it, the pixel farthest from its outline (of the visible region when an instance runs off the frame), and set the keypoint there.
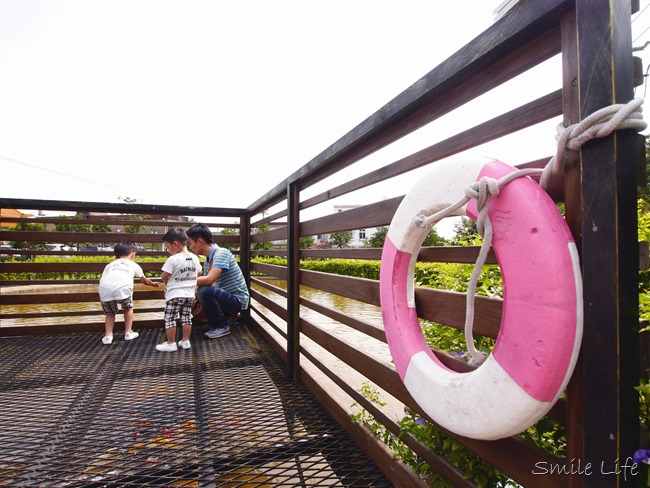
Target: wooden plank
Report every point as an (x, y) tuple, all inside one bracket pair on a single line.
[(33, 315), (568, 188), (116, 220), (130, 208), (441, 306), (39, 298), (279, 272), (84, 237), (609, 242), (435, 254), (374, 215), (512, 456), (397, 471), (64, 267), (529, 114), (515, 43), (438, 463)]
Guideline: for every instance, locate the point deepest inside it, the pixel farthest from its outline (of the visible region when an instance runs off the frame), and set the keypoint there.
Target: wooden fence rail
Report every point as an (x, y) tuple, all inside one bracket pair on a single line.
[(336, 351)]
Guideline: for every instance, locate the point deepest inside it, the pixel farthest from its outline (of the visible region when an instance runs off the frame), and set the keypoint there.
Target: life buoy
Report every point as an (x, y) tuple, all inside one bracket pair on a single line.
[(541, 328)]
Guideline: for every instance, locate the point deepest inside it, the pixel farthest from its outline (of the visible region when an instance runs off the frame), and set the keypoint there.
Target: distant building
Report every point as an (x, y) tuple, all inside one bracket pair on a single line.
[(359, 236), (11, 213)]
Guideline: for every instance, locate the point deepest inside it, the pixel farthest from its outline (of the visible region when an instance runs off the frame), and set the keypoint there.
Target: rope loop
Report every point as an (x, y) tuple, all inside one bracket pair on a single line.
[(599, 124)]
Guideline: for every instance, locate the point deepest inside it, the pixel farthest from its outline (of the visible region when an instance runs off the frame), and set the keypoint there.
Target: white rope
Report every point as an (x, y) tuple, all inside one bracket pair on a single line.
[(483, 191), (599, 124)]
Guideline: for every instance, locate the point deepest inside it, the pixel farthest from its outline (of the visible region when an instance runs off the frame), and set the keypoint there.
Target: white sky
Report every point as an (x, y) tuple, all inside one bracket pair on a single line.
[(212, 103)]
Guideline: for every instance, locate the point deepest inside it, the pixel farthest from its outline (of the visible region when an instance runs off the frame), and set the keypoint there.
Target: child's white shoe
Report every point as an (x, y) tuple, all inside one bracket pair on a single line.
[(129, 336), (184, 344), (166, 347), (107, 339)]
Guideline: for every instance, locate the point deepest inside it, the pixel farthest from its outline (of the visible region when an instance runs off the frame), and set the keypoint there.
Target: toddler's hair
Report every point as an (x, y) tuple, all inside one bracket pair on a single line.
[(175, 235), (123, 249)]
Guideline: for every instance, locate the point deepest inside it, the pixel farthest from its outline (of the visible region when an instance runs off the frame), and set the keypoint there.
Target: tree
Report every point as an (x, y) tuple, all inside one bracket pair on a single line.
[(229, 231), (306, 242), (465, 231), (434, 239), (67, 226), (28, 226), (101, 228), (262, 246), (341, 239), (378, 237)]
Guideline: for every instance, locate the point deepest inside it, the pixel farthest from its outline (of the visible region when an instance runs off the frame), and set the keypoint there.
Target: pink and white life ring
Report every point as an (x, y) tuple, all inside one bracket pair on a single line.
[(541, 328)]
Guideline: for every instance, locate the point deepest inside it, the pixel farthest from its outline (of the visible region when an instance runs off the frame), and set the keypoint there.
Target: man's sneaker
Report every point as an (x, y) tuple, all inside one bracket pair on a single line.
[(217, 332), (129, 336), (107, 339), (184, 344), (166, 347)]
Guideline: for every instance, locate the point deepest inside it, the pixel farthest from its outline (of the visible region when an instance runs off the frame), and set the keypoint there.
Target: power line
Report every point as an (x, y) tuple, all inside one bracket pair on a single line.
[(41, 168), (639, 14), (637, 37)]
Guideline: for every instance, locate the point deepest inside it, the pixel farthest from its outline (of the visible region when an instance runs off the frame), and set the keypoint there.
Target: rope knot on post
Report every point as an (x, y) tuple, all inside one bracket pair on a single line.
[(599, 124)]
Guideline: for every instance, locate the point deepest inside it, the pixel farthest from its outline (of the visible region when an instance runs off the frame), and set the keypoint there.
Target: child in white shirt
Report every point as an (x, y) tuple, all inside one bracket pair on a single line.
[(179, 273), (116, 288)]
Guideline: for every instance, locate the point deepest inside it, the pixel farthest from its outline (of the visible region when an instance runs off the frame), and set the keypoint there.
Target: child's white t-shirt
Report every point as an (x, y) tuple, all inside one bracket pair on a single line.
[(183, 268), (116, 282)]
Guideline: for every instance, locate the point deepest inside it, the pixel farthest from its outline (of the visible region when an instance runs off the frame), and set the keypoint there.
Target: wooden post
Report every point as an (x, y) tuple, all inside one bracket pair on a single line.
[(610, 351), (573, 213), (245, 254), (293, 281)]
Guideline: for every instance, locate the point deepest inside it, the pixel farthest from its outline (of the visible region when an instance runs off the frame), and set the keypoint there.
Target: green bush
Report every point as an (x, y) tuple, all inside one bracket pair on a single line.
[(76, 275)]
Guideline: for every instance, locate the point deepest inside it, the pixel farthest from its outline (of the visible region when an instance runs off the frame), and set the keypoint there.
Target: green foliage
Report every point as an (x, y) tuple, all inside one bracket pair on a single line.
[(465, 231), (361, 268), (378, 237), (341, 239), (451, 276), (262, 246), (67, 226), (306, 242), (24, 225), (434, 239), (100, 228), (77, 275), (229, 231), (446, 276), (644, 400), (472, 466), (549, 435)]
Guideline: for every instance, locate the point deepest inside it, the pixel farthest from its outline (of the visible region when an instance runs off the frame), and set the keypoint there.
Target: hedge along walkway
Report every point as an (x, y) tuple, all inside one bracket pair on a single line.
[(79, 413)]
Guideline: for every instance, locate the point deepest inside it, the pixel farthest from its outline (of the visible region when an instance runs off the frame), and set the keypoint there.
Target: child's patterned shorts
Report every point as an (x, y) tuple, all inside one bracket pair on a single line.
[(178, 306), (110, 307)]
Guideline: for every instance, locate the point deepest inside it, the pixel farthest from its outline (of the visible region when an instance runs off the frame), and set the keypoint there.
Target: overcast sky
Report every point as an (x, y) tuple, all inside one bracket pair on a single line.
[(208, 102)]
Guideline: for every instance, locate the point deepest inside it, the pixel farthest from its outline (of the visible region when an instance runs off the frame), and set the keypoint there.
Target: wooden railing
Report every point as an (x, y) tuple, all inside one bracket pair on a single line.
[(319, 341)]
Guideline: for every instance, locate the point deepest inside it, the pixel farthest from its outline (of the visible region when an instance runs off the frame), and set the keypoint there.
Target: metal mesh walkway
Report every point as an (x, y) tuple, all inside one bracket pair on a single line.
[(79, 413)]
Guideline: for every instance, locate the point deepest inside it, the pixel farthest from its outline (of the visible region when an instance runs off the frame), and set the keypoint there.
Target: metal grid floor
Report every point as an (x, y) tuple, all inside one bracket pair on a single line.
[(75, 412)]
